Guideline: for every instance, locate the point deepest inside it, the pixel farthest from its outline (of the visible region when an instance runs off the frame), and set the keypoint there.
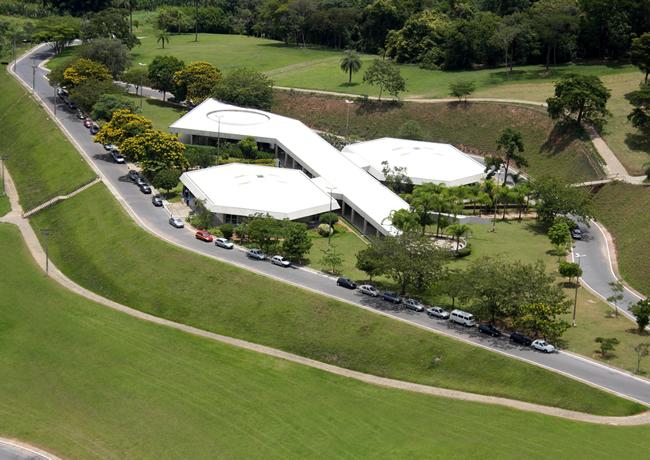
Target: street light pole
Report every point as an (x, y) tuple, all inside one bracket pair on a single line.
[(218, 134), (347, 120), (33, 75), (329, 233), (46, 233), (575, 298), (55, 104), (141, 85)]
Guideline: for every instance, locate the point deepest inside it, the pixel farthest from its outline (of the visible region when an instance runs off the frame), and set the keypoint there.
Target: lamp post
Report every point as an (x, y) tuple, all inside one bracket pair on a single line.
[(33, 75), (575, 298), (3, 158), (329, 233), (141, 85), (46, 232), (218, 134), (347, 119), (55, 104)]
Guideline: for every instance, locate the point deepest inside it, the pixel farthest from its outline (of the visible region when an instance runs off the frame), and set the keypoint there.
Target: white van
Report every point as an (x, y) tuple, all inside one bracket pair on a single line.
[(462, 317)]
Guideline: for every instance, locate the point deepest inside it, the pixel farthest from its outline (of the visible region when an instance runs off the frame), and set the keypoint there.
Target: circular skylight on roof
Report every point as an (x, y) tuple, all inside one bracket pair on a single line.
[(238, 117)]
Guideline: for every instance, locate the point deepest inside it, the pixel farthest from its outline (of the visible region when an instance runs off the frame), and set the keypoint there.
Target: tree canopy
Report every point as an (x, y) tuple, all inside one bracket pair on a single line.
[(155, 151), (107, 104), (161, 73), (579, 97), (386, 76), (85, 69), (195, 82), (640, 53), (108, 51), (122, 126), (245, 88)]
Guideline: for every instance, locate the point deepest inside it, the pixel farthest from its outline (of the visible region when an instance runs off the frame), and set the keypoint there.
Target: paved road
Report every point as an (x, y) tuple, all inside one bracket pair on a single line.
[(156, 221), (592, 252), (11, 451)]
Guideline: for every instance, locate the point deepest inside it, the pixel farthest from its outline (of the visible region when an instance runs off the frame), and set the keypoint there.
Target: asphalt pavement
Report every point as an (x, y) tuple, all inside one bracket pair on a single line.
[(156, 221), (11, 451)]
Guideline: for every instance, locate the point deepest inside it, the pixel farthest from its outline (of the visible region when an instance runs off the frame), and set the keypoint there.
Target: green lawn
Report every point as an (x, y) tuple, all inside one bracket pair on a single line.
[(347, 242), (42, 162), (473, 127), (623, 209), (88, 382), (162, 114)]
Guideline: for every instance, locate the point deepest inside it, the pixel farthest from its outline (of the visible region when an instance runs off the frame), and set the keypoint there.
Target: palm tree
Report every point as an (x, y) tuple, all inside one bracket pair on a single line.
[(351, 62), (511, 143), (162, 36), (458, 231)]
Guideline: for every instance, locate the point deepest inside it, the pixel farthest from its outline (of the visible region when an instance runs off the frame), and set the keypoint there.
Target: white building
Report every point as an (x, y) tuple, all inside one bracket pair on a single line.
[(424, 161), (235, 191), (362, 199)]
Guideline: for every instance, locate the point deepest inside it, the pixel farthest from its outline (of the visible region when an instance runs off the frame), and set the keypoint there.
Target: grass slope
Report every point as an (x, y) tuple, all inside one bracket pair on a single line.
[(42, 162), (623, 209), (88, 382), (126, 264), (475, 126)]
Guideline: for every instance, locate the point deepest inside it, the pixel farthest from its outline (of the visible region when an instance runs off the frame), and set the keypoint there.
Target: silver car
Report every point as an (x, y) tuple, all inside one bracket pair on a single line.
[(256, 254), (176, 222), (437, 312), (413, 304), (368, 290), (280, 261), (223, 243)]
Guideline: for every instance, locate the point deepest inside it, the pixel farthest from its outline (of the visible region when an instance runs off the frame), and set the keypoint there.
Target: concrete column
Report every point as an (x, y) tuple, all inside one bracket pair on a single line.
[(365, 226), (352, 215)]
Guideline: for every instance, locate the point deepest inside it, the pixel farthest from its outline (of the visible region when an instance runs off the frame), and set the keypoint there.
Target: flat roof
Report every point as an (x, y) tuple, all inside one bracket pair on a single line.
[(366, 195), (246, 189), (424, 161)]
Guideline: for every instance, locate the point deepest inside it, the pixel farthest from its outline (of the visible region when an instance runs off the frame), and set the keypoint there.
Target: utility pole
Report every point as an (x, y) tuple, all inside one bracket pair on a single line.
[(55, 104), (3, 158), (141, 84), (46, 232), (347, 121), (575, 298), (329, 233), (219, 135)]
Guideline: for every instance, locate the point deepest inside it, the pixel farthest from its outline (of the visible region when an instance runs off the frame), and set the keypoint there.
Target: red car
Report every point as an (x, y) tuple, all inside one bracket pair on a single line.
[(88, 122), (204, 236)]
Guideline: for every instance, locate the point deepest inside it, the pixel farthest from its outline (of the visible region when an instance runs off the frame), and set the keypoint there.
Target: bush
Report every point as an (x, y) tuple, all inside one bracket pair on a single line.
[(325, 230), (107, 104), (200, 156), (166, 179), (464, 252), (227, 230), (411, 130), (328, 218)]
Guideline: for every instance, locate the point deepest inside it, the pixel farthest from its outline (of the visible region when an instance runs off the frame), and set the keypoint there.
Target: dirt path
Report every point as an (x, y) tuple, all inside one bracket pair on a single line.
[(35, 248)]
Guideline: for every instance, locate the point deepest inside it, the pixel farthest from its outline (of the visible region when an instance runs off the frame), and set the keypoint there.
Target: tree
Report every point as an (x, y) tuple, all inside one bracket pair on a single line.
[(454, 285), (227, 230), (396, 178), (86, 94), (543, 320), (201, 156), (154, 151), (405, 220), (109, 23), (85, 69), (461, 89), (556, 24), (296, 242), (642, 350), (110, 52), (107, 104), (642, 313), (201, 217), (560, 236), (166, 179), (162, 37), (351, 62), (248, 148), (196, 81), (640, 115), (245, 88), (556, 198), (607, 345), (332, 259), (387, 76), (640, 53), (511, 144), (617, 294), (570, 270), (123, 125), (423, 35), (137, 76), (161, 73), (369, 262), (60, 31), (78, 6), (411, 129), (328, 218), (581, 96), (458, 231), (265, 231)]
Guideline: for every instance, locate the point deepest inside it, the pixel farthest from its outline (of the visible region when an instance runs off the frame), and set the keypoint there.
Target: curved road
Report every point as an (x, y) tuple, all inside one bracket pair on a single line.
[(11, 450), (155, 221)]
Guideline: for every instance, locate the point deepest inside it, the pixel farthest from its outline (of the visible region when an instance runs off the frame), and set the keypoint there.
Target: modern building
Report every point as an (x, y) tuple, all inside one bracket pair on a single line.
[(423, 161), (235, 191), (363, 200)]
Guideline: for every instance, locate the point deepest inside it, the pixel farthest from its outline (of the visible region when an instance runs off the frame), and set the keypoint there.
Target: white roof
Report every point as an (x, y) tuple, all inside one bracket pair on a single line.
[(367, 196), (244, 189), (424, 161)]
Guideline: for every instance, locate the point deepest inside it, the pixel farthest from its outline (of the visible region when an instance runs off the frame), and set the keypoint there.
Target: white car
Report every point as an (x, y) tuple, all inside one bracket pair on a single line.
[(438, 312), (110, 147), (413, 304), (368, 290), (281, 261), (223, 243), (176, 222), (543, 345)]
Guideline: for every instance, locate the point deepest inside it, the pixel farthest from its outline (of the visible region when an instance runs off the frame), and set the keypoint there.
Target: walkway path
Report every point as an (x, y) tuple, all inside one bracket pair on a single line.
[(56, 199), (35, 248)]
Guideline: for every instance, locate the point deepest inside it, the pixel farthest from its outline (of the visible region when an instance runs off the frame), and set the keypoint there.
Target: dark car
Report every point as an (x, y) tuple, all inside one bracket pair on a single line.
[(94, 128), (133, 175), (391, 297), (346, 283), (489, 330), (576, 234), (518, 337), (157, 201), (144, 188), (139, 181), (72, 105)]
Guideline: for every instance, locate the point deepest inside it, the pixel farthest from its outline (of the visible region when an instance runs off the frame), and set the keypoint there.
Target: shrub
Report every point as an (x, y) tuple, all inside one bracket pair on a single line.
[(227, 230), (325, 230), (328, 218), (464, 252)]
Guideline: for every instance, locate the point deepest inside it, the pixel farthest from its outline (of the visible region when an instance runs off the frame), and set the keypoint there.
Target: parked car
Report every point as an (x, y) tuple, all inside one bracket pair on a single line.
[(489, 330), (223, 243), (144, 188), (346, 283), (437, 312), (133, 175), (176, 222), (109, 147), (204, 235), (88, 122), (280, 261), (62, 93), (157, 201), (413, 304), (462, 317), (80, 115), (117, 157), (139, 181), (576, 234), (94, 128), (518, 337), (543, 345), (368, 290), (391, 297), (256, 254), (71, 105)]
